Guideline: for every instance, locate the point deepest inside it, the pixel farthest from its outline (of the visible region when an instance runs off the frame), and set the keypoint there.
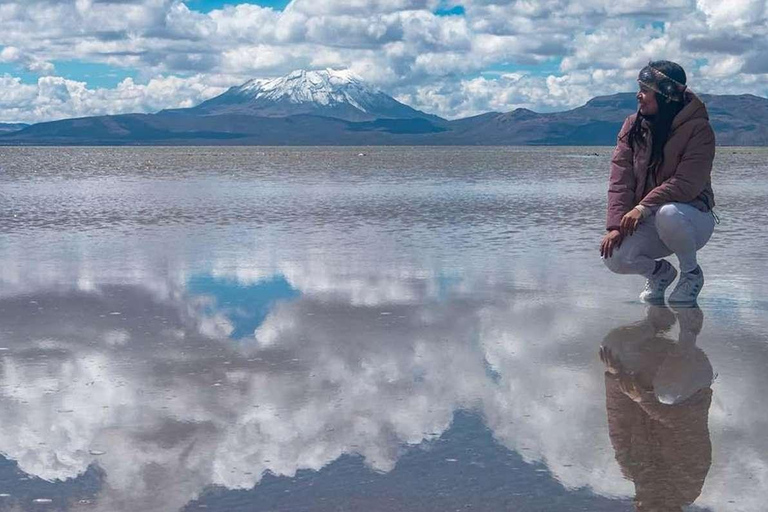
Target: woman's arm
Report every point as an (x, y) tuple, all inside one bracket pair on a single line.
[(692, 173), (621, 185), (625, 421)]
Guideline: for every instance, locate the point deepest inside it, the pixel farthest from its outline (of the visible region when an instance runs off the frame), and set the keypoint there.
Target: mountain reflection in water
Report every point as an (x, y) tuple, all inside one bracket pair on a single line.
[(137, 397)]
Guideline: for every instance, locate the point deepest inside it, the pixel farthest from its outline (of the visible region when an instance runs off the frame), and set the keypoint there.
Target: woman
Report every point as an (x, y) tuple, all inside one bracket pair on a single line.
[(660, 196)]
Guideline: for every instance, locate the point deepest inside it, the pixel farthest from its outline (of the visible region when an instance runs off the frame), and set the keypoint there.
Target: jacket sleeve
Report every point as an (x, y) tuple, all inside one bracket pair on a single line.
[(621, 185), (692, 173), (624, 418), (685, 417), (684, 441)]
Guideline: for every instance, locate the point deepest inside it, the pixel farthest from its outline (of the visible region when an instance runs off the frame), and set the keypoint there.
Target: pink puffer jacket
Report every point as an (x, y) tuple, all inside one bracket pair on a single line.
[(683, 176)]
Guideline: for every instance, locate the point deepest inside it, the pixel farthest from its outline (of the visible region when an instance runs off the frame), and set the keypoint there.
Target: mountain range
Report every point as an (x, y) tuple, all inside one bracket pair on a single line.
[(333, 107)]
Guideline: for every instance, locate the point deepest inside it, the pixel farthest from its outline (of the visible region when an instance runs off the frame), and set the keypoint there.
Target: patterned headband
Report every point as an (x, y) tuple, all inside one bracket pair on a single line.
[(658, 81)]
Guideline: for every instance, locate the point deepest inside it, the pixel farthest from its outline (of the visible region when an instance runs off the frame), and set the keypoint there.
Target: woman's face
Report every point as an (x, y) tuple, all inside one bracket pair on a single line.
[(646, 100)]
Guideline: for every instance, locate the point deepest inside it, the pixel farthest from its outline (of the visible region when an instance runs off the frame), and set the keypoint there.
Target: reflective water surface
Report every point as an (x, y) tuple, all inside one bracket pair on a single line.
[(366, 328)]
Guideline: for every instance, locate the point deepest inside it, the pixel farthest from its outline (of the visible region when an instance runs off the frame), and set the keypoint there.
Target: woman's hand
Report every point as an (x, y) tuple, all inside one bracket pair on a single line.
[(631, 387), (630, 221), (611, 240), (628, 382), (611, 362)]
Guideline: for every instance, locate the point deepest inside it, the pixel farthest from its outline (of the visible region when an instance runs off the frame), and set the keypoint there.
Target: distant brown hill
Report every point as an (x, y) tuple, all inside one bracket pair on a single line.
[(738, 120)]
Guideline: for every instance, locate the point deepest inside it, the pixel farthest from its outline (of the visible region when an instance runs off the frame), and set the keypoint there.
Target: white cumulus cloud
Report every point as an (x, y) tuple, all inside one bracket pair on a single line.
[(400, 45), (58, 98)]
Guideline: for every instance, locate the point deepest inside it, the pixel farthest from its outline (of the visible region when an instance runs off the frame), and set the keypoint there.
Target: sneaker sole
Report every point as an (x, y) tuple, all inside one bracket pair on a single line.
[(684, 301)]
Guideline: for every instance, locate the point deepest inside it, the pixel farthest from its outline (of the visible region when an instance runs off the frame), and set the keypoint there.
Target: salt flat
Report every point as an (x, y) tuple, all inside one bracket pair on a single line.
[(349, 328)]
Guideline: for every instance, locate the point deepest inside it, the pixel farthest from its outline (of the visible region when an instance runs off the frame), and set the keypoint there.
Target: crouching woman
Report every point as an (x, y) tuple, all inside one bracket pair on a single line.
[(660, 195)]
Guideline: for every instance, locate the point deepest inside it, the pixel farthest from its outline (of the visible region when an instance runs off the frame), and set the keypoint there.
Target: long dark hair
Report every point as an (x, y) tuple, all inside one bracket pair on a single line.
[(661, 123)]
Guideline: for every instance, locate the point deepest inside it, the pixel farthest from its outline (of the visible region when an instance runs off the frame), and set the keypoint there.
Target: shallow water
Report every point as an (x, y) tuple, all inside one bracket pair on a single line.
[(365, 328)]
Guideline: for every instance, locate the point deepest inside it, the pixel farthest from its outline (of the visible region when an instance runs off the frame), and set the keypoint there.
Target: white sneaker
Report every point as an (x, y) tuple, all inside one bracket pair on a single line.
[(657, 284), (688, 287)]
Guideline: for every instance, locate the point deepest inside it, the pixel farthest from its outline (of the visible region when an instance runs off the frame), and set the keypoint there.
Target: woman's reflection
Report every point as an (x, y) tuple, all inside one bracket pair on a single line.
[(657, 396)]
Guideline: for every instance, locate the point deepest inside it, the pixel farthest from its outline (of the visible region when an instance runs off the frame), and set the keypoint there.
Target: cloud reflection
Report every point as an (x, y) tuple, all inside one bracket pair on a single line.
[(135, 381)]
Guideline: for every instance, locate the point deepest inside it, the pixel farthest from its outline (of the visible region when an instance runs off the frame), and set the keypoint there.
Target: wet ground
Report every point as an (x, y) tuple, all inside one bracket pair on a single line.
[(374, 329)]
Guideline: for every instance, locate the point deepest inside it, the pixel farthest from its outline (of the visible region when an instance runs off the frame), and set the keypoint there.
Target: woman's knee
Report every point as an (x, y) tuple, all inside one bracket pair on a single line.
[(669, 218), (618, 263)]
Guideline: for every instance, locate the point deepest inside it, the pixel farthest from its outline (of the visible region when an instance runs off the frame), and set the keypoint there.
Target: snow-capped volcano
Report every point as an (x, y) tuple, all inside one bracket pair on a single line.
[(329, 93), (319, 87)]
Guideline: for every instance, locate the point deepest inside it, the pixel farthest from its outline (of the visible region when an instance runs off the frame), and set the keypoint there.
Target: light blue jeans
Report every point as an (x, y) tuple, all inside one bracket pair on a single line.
[(674, 228)]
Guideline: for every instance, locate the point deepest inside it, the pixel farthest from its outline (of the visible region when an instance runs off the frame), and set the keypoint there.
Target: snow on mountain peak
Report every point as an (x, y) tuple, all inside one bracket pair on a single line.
[(325, 87), (332, 93)]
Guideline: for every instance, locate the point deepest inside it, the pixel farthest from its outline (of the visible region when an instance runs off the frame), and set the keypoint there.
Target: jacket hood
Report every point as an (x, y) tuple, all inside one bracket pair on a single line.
[(694, 109)]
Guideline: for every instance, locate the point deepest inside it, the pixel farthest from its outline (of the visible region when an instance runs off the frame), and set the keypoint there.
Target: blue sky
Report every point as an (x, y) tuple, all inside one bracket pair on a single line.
[(67, 58), (95, 74), (442, 9), (209, 5), (244, 306)]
